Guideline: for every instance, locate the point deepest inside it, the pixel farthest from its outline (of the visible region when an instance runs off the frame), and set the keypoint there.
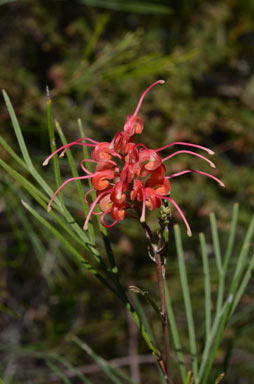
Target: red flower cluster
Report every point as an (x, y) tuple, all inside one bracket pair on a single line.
[(129, 175)]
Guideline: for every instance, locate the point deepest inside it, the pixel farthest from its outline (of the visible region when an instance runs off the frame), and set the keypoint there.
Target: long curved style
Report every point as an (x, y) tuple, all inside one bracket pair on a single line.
[(139, 182)]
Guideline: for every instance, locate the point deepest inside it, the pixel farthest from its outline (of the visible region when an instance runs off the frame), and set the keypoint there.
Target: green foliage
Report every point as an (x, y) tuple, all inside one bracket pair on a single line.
[(96, 57), (226, 302)]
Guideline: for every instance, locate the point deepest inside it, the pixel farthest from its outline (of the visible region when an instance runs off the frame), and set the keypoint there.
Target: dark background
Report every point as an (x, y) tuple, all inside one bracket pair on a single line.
[(96, 62)]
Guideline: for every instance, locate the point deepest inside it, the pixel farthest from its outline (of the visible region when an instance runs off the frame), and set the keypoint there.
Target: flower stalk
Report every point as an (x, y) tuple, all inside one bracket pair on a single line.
[(156, 251)]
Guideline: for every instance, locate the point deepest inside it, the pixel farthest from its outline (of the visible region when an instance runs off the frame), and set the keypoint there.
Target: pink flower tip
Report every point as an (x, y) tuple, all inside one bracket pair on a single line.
[(161, 81), (49, 208), (189, 233), (210, 151), (85, 227), (62, 154), (222, 184), (142, 219), (45, 162)]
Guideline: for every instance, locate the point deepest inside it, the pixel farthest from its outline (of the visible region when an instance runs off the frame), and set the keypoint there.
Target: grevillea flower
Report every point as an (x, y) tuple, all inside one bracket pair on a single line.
[(129, 175)]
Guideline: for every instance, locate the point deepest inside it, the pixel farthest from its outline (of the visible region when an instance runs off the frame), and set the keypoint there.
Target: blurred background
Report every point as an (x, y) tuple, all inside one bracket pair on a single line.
[(97, 57)]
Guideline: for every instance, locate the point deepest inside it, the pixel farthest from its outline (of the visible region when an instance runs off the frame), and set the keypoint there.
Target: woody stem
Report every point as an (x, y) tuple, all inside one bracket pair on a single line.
[(160, 272), (158, 258)]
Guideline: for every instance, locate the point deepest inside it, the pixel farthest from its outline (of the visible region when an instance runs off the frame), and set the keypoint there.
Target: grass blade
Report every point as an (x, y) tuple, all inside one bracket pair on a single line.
[(246, 242), (12, 153), (77, 182), (216, 246), (34, 238), (68, 245), (242, 258), (73, 229), (207, 284), (225, 314), (212, 341), (243, 285), (42, 200), (220, 323), (24, 150), (130, 6), (106, 368), (142, 315), (239, 268), (52, 141), (32, 190), (17, 130), (58, 372), (219, 378), (175, 335), (98, 30), (88, 166), (70, 367), (189, 379), (187, 300), (231, 237), (145, 334)]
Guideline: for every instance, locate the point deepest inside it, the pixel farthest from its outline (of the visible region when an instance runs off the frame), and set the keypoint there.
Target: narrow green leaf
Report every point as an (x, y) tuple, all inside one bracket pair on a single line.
[(17, 130), (145, 334), (48, 357), (68, 245), (142, 315), (189, 379), (242, 257), (99, 28), (32, 190), (130, 6), (78, 234), (187, 300), (42, 200), (77, 182), (123, 376), (216, 246), (212, 341), (147, 298), (231, 236), (70, 367), (24, 150), (207, 284), (12, 153), (221, 321), (107, 369), (54, 231), (33, 236), (239, 268), (52, 141), (40, 250), (58, 372), (175, 335), (242, 286), (16, 230), (219, 378), (93, 193)]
